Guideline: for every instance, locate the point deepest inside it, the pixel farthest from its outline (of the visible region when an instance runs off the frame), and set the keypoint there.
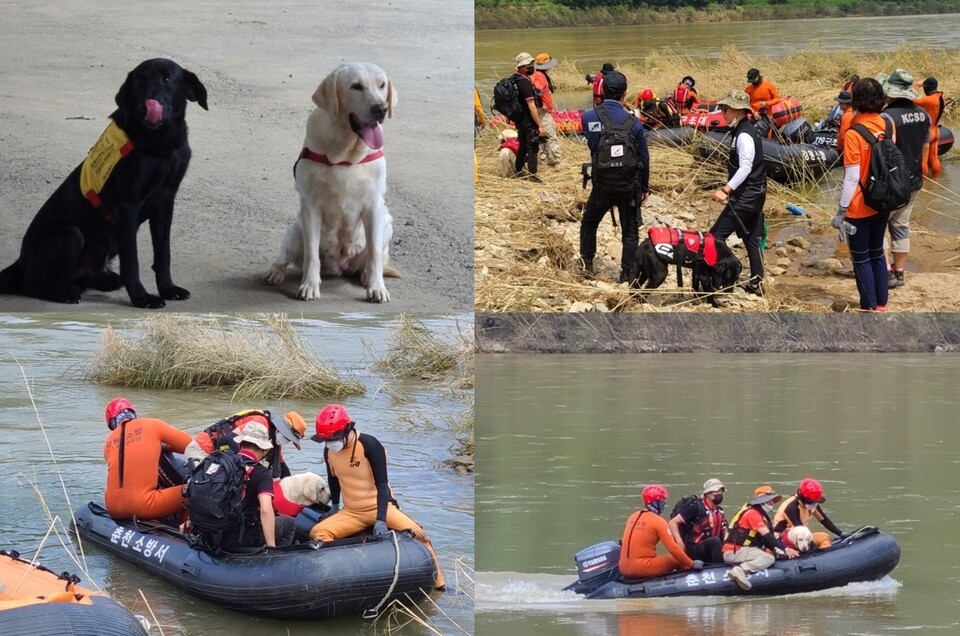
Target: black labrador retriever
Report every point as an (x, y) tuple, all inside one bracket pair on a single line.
[(130, 176), (714, 266)]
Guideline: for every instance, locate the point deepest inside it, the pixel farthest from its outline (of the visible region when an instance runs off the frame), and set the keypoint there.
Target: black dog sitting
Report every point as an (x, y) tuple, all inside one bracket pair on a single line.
[(130, 176), (714, 266)]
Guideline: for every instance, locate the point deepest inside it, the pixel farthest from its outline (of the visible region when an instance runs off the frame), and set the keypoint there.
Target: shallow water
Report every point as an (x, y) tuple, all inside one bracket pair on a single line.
[(52, 350)]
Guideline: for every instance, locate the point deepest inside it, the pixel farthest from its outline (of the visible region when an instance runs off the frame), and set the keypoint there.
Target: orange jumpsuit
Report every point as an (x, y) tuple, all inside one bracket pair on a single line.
[(638, 559), (765, 92), (933, 104), (139, 496), (362, 481)]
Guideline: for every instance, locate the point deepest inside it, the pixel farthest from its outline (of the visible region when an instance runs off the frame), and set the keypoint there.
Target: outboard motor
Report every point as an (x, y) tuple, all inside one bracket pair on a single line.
[(596, 565), (796, 131), (172, 470)]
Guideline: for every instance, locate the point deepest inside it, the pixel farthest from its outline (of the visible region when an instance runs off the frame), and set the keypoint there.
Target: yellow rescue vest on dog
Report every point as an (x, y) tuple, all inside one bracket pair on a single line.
[(112, 146)]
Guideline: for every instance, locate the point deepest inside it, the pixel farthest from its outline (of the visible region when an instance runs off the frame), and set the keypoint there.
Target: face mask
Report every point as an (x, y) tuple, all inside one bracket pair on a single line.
[(767, 508), (718, 499), (335, 447), (811, 506)]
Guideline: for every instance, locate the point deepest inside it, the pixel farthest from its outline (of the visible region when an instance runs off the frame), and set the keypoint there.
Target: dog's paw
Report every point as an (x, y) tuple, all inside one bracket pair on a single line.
[(276, 275), (174, 293), (148, 301), (378, 294), (309, 291), (107, 281), (68, 295)]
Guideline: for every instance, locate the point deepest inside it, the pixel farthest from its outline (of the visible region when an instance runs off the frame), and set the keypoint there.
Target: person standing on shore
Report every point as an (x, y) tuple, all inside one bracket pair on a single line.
[(550, 147), (932, 102), (745, 192), (912, 138), (529, 127)]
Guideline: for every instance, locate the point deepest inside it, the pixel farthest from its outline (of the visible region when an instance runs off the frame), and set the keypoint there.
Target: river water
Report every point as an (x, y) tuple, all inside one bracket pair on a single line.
[(566, 442), (52, 349), (938, 207)]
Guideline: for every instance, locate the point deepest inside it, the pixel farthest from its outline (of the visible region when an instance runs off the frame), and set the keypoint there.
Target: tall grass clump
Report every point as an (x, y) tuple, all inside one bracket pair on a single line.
[(258, 357), (417, 352)]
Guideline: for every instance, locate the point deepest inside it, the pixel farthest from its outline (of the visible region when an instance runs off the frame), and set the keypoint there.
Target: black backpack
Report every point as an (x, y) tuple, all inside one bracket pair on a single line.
[(506, 99), (683, 503), (615, 165), (887, 184), (215, 495)]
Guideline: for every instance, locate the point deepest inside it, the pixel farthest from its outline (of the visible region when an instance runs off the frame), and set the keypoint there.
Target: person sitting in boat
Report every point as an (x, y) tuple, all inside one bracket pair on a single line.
[(642, 96), (655, 113), (684, 96), (645, 529), (763, 93), (357, 469), (261, 525), (932, 102), (132, 452), (798, 509), (222, 435), (750, 529), (701, 525)]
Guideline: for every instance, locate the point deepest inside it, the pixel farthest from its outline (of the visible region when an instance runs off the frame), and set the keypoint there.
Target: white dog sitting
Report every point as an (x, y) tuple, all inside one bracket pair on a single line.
[(509, 146), (305, 489), (799, 538), (344, 226)]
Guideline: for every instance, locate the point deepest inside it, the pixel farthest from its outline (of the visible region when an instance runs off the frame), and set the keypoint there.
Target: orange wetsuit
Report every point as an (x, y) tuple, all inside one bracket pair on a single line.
[(638, 559), (933, 104), (765, 92), (138, 495), (358, 471)]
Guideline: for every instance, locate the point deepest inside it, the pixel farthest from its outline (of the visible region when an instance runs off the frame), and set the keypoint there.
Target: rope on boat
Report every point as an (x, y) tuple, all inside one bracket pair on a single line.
[(373, 613)]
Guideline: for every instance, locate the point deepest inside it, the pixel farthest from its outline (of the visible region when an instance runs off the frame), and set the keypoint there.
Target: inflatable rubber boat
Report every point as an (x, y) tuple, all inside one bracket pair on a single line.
[(35, 601), (785, 162), (305, 581), (827, 138), (865, 555)]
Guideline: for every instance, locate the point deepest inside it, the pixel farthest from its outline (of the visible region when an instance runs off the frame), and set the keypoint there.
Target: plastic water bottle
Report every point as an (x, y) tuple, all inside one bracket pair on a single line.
[(796, 210), (849, 228)]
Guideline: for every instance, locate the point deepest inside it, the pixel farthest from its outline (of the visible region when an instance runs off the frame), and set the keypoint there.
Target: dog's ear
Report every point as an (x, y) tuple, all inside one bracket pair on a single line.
[(327, 95), (196, 91), (391, 98), (125, 94)]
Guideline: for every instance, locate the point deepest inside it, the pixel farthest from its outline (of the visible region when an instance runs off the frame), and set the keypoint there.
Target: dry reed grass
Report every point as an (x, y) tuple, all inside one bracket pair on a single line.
[(258, 357), (399, 614), (416, 351)]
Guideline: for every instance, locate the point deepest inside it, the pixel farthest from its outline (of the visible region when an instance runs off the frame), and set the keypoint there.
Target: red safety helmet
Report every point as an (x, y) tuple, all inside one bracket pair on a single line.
[(115, 409), (654, 492), (333, 422), (811, 491), (646, 94)]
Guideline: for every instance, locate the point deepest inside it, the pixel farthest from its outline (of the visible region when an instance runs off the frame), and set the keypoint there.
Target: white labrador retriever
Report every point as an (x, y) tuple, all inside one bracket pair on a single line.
[(344, 226), (800, 538), (305, 489)]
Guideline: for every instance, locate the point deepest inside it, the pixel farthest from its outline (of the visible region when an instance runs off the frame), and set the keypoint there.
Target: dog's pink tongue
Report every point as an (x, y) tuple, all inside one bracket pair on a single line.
[(372, 135), (154, 111)]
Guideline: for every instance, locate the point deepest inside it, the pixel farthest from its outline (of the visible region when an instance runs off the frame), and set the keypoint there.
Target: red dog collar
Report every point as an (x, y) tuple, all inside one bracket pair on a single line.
[(312, 156)]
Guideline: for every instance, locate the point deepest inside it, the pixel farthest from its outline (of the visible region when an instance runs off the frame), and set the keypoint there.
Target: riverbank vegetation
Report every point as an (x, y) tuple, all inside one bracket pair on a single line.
[(503, 14), (526, 240)]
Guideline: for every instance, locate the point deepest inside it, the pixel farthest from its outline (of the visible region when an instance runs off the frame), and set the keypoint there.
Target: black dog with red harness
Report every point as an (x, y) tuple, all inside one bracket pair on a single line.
[(714, 266)]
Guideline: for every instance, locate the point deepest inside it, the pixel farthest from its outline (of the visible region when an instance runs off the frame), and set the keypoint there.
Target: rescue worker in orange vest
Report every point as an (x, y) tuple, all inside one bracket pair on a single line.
[(763, 93), (702, 525), (845, 99), (798, 509), (684, 96), (357, 469), (644, 530), (642, 96), (932, 102), (655, 113), (132, 452), (750, 528)]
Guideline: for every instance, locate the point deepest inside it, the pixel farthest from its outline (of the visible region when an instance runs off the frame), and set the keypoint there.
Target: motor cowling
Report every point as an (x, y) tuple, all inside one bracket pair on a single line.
[(598, 563)]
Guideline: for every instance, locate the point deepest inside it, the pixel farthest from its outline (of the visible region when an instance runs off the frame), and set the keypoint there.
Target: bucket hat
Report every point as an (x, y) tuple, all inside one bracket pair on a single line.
[(255, 434), (899, 84), (524, 59), (845, 97), (713, 485), (544, 62), (735, 99), (764, 494)]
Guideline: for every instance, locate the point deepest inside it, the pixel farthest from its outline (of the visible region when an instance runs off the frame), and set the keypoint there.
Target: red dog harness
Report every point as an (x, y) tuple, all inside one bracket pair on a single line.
[(512, 144), (306, 153), (683, 246)]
